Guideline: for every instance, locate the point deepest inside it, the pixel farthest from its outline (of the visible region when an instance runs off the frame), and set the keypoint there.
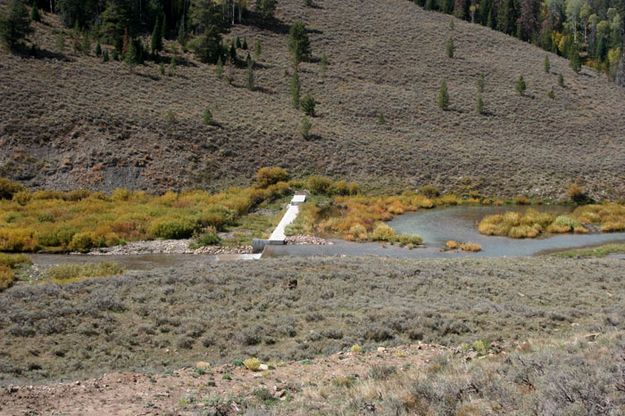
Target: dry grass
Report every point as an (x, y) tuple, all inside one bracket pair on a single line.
[(556, 376), (77, 122)]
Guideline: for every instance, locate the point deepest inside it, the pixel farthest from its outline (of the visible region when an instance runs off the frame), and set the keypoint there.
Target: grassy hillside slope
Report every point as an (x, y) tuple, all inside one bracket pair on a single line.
[(78, 122)]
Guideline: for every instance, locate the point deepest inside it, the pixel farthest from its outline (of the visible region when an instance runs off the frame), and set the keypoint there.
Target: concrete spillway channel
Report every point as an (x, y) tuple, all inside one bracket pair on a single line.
[(278, 237)]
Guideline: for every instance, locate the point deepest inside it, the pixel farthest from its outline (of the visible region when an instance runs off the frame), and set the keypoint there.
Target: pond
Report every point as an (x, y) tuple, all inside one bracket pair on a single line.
[(439, 225)]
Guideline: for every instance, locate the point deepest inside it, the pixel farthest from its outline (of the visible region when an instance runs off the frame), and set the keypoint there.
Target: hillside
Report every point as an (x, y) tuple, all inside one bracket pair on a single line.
[(79, 122)]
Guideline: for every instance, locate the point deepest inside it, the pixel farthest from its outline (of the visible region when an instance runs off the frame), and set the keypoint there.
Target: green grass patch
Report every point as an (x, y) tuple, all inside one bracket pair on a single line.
[(68, 273), (600, 251)]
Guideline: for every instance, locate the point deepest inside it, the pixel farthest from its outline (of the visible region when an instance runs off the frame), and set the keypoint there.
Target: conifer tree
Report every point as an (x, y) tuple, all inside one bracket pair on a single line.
[(157, 36), (258, 49), (481, 82), (480, 104), (443, 96), (561, 80), (14, 24), (295, 90), (98, 49), (520, 85), (305, 128), (547, 64), (105, 56), (323, 64), (450, 48), (207, 117), (172, 66), (574, 59), (35, 16), (299, 44), (308, 105), (250, 75), (219, 68)]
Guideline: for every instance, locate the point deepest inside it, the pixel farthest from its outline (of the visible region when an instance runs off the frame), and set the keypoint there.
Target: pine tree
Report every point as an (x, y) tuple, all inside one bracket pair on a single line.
[(266, 8), (547, 64), (443, 96), (308, 105), (561, 80), (299, 44), (219, 68), (244, 44), (305, 128), (323, 64), (14, 24), (207, 117), (574, 59), (551, 94), (233, 52), (250, 75), (237, 43), (520, 85), (481, 82), (35, 16), (450, 48), (105, 56), (157, 36), (295, 90), (258, 49), (98, 49), (172, 66), (480, 104)]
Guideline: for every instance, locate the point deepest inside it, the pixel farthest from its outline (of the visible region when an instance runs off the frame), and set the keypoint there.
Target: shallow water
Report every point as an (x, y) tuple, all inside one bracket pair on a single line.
[(437, 226)]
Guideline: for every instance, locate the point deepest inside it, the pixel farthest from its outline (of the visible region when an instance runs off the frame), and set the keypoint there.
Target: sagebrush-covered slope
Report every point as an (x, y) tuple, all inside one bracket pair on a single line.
[(80, 122)]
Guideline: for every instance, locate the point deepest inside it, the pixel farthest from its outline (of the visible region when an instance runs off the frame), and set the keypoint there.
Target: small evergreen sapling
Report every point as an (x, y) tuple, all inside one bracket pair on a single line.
[(480, 104), (520, 85), (295, 90), (450, 48), (443, 96), (305, 128), (481, 82), (35, 16), (250, 75), (308, 105), (547, 64), (207, 117), (219, 68)]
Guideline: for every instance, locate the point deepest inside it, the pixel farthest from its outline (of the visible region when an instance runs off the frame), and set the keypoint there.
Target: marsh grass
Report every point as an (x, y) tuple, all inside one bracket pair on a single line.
[(532, 223), (69, 273)]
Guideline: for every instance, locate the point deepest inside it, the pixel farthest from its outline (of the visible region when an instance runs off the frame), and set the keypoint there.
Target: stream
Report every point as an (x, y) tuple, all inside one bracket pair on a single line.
[(435, 226)]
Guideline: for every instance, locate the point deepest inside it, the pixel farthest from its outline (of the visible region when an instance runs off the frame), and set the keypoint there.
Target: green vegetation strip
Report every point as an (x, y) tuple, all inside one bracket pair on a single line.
[(600, 251)]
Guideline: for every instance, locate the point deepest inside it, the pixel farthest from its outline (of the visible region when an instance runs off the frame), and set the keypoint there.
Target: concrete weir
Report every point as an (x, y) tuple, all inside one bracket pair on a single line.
[(278, 237)]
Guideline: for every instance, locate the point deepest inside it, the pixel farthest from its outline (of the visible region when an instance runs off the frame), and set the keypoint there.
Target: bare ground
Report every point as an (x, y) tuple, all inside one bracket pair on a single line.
[(78, 122)]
